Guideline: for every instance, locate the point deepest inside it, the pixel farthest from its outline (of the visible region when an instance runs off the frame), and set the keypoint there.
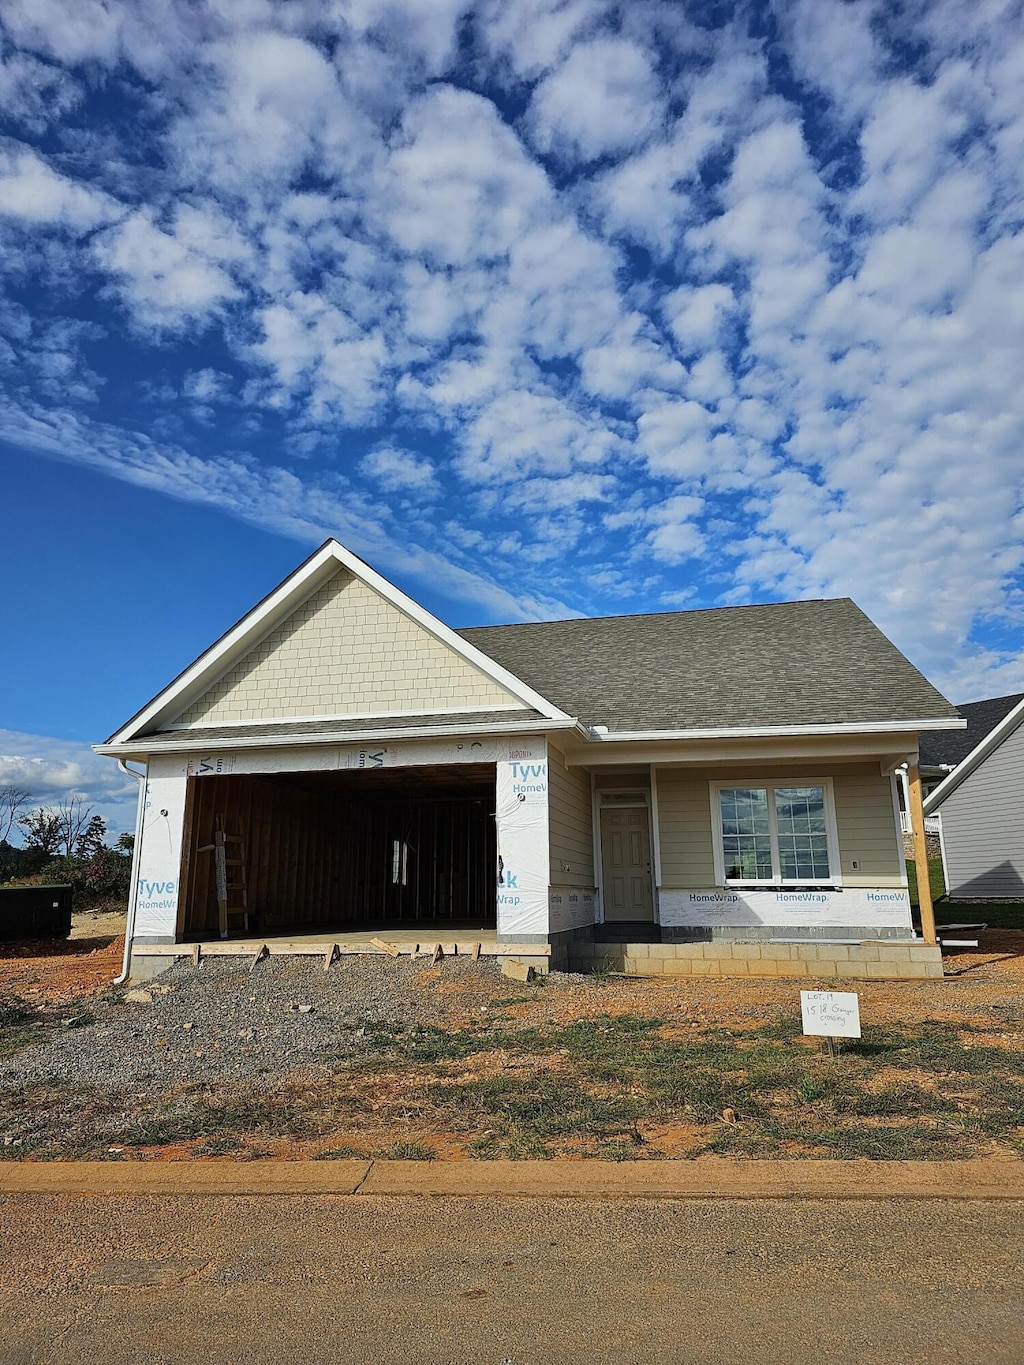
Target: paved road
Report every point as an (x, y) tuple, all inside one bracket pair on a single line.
[(266, 1281)]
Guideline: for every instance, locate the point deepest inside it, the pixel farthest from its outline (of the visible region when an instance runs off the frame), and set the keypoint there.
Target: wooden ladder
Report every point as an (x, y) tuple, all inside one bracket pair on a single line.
[(229, 866)]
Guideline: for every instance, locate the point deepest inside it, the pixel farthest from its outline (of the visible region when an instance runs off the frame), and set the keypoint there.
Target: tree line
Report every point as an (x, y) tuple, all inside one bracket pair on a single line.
[(63, 843)]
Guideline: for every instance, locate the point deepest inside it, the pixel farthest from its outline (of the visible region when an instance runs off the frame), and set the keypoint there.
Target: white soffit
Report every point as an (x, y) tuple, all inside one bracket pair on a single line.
[(277, 605)]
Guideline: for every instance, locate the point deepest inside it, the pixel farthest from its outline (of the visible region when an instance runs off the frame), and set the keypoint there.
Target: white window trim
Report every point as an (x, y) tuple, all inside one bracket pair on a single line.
[(769, 784)]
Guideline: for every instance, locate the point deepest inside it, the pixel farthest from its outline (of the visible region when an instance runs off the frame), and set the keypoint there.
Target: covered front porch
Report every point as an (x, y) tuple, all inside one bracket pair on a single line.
[(752, 857)]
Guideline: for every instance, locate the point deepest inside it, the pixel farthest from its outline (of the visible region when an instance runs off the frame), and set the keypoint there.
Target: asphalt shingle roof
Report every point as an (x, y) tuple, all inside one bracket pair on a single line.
[(793, 663), (940, 747)]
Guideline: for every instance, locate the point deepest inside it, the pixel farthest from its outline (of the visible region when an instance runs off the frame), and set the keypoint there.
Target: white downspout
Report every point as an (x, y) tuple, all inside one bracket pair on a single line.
[(133, 895)]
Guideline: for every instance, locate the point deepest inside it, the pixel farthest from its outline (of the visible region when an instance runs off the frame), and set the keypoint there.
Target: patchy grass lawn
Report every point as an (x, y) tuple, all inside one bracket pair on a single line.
[(614, 1086)]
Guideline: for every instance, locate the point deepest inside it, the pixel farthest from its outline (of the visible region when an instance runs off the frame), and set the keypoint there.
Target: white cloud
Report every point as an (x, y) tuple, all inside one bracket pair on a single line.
[(321, 351), (400, 471), (459, 187), (163, 281), (206, 385), (264, 108), (699, 314), (602, 100), (51, 770), (33, 193), (34, 93)]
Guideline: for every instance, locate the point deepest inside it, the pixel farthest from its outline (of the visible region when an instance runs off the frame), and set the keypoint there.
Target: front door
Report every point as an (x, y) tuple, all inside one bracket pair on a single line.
[(626, 864)]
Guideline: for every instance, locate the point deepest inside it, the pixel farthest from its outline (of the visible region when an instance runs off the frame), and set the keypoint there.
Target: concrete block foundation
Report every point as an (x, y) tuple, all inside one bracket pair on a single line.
[(880, 961)]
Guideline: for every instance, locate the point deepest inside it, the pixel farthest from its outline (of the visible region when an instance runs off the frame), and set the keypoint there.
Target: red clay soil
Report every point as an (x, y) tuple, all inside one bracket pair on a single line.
[(57, 971)]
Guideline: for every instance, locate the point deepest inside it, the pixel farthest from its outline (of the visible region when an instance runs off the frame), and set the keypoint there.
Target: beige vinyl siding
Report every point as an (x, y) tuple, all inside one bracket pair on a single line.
[(570, 822), (864, 818), (684, 828), (346, 651), (983, 826), (866, 826)]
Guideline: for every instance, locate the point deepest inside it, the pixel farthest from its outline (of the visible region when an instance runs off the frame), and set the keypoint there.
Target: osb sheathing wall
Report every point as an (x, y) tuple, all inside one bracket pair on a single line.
[(314, 859)]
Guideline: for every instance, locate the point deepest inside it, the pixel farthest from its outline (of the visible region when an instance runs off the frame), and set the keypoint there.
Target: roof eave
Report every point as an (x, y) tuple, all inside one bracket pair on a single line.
[(189, 743)]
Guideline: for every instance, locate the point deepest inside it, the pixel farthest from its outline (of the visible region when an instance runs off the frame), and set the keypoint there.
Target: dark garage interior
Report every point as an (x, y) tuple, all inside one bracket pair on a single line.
[(348, 850)]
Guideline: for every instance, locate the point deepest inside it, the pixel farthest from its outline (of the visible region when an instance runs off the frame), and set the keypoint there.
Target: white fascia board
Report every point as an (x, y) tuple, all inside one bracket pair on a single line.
[(977, 756), (187, 742), (882, 727), (296, 587)]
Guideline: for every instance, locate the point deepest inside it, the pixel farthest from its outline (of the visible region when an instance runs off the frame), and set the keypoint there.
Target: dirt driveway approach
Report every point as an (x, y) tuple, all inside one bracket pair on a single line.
[(404, 1059)]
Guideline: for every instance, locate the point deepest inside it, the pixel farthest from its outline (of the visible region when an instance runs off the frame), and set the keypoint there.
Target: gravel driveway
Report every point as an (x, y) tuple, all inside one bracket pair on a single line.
[(223, 1022)]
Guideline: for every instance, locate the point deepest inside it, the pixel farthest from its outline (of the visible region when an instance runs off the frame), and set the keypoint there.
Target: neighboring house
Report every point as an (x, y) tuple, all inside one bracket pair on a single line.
[(942, 751), (714, 788), (981, 804)]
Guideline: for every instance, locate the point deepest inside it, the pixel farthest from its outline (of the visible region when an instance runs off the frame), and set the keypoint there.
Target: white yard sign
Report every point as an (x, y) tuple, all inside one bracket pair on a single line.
[(830, 1014)]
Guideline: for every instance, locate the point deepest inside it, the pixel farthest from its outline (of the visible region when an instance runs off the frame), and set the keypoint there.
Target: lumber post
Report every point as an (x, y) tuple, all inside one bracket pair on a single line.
[(332, 948), (261, 952), (924, 889)]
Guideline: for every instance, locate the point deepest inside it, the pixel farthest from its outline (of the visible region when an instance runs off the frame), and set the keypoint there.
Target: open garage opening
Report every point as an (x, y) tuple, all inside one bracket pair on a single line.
[(345, 851)]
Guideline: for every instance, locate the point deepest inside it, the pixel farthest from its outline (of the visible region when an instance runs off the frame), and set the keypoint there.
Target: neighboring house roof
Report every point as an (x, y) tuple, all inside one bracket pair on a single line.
[(946, 748), (988, 745), (820, 662)]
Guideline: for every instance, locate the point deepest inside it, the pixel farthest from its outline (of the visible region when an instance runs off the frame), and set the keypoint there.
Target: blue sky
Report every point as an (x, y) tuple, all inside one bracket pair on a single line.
[(543, 308)]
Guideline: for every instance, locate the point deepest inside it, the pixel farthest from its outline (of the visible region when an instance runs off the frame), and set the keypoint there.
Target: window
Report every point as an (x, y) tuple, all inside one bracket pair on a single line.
[(776, 833)]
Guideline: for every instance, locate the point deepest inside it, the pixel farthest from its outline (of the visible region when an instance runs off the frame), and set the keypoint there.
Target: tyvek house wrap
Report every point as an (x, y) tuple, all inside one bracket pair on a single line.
[(522, 825), (156, 909)]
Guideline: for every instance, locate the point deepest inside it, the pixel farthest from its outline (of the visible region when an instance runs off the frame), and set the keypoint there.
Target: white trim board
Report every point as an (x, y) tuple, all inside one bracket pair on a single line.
[(285, 598), (857, 727)]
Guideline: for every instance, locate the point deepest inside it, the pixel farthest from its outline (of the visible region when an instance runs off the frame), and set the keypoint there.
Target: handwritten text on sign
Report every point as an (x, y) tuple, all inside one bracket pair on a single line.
[(830, 1014)]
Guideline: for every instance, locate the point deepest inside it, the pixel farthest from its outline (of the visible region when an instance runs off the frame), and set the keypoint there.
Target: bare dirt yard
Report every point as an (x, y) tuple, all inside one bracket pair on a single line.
[(406, 1059)]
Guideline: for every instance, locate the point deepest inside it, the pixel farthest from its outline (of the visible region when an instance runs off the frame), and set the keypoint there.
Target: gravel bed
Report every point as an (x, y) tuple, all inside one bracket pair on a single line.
[(223, 1022)]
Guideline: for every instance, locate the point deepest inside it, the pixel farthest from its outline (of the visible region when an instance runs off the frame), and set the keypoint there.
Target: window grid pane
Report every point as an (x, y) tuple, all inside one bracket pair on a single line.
[(802, 833), (746, 833)]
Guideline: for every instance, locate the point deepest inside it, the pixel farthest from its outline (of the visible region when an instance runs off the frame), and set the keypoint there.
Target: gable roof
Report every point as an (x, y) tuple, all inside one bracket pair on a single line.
[(791, 667), (812, 663), (988, 745), (277, 606), (949, 747)]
